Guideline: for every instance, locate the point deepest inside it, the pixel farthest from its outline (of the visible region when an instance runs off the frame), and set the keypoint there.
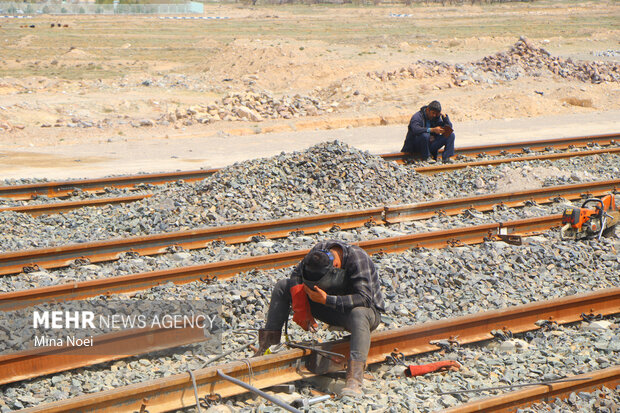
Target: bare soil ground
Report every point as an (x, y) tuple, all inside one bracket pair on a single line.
[(115, 78)]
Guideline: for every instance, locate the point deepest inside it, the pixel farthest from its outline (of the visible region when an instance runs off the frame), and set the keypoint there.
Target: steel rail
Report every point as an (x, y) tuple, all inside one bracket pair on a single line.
[(525, 146), (177, 391), (106, 347), (510, 402), (226, 269), (56, 207), (64, 188), (55, 257), (552, 156), (400, 213)]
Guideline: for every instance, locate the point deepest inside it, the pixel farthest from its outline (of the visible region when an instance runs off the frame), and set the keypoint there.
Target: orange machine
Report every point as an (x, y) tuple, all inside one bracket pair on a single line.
[(597, 219)]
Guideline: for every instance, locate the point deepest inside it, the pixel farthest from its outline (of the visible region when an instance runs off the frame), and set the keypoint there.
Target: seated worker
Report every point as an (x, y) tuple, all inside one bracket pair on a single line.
[(340, 283), (429, 131)]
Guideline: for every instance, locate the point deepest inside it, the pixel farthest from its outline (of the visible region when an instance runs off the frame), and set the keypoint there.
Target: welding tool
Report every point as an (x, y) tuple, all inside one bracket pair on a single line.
[(595, 218)]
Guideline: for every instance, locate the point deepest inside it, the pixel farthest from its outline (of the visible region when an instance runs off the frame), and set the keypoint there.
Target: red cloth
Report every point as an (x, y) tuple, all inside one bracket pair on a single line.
[(302, 314), (423, 369)]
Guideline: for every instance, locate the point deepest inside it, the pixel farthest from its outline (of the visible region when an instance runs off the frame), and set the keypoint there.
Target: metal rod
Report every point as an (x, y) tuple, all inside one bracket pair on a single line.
[(306, 403), (510, 386), (261, 393), (318, 350), (191, 374)]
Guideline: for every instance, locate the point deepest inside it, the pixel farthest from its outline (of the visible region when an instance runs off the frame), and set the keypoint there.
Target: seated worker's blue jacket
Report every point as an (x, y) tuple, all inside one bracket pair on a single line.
[(418, 128)]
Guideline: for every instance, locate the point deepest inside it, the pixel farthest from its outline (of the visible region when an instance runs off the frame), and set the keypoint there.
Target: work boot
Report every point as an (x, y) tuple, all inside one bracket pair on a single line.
[(355, 379), (266, 339)]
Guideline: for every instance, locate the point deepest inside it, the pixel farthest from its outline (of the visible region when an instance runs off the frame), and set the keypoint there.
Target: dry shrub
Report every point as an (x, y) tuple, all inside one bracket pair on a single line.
[(584, 103)]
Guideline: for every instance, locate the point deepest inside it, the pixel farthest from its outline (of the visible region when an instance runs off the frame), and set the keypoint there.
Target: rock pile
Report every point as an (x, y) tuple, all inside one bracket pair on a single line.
[(327, 177), (419, 70), (253, 106), (607, 53), (523, 59)]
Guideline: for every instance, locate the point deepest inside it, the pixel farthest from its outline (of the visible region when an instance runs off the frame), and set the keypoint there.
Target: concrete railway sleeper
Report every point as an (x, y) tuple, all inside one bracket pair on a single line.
[(65, 188), (177, 391), (56, 257)]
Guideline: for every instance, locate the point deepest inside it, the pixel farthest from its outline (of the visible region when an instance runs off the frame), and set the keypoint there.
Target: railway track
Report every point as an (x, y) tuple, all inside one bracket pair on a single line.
[(226, 269), (141, 342), (509, 402), (388, 214), (177, 391), (57, 207), (44, 361), (65, 188), (55, 257)]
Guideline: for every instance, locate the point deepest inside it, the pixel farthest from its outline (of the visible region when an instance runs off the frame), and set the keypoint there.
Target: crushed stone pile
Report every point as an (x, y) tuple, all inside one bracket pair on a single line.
[(327, 177), (253, 106), (522, 59), (525, 58), (419, 70)]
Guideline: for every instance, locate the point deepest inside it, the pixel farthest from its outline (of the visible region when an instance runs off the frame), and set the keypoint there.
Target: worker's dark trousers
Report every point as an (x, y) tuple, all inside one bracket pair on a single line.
[(425, 148), (360, 321)]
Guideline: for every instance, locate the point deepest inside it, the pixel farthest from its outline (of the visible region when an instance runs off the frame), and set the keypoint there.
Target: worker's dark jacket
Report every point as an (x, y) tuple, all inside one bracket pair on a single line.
[(363, 289), (418, 126)]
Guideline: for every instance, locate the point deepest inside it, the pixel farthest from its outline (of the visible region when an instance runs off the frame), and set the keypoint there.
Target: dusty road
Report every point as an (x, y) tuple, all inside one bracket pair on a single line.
[(186, 153), (109, 95)]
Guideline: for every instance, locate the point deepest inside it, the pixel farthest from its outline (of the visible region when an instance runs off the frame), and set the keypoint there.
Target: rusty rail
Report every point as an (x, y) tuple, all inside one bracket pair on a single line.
[(177, 391), (510, 402), (106, 347), (524, 146), (227, 269), (55, 257), (552, 156), (56, 207), (64, 188), (399, 213)]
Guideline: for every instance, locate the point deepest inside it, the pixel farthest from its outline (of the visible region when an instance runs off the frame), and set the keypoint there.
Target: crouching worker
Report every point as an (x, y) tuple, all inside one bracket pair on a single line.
[(336, 283), (428, 132)]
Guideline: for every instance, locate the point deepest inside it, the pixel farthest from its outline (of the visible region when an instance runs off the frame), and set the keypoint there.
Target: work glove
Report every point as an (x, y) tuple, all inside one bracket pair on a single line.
[(302, 315)]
